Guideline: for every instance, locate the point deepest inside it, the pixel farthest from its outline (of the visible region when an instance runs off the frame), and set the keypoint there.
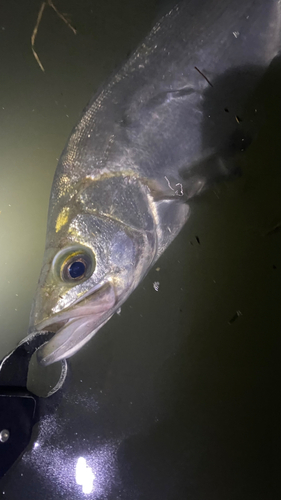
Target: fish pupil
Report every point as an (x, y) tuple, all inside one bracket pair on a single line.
[(77, 269)]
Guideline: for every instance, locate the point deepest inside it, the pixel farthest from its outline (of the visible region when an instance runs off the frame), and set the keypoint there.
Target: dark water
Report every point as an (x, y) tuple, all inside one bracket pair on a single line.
[(178, 396)]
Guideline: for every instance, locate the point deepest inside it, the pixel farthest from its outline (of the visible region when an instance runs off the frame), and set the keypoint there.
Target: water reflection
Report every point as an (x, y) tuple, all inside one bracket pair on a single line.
[(84, 475), (70, 473)]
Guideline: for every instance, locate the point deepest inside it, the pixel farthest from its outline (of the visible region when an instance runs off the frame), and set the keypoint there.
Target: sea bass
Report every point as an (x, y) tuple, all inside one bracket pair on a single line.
[(170, 122)]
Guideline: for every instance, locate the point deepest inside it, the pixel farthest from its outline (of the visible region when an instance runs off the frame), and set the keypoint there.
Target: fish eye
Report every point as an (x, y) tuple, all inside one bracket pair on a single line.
[(77, 269), (75, 266)]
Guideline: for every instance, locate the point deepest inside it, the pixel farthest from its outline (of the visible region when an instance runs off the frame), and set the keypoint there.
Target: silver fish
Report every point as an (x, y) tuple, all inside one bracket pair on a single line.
[(168, 124)]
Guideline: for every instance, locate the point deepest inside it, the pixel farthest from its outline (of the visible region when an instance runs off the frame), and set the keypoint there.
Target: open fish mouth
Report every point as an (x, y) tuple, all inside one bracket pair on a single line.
[(75, 325)]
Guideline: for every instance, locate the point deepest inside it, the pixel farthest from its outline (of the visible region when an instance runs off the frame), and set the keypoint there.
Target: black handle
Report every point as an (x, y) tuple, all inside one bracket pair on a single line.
[(19, 408)]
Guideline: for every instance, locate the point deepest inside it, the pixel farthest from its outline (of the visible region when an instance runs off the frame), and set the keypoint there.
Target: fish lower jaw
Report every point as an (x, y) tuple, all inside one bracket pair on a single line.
[(49, 326), (70, 337)]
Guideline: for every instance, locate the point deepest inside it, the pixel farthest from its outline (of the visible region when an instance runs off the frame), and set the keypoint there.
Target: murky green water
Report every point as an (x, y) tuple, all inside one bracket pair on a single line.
[(181, 388)]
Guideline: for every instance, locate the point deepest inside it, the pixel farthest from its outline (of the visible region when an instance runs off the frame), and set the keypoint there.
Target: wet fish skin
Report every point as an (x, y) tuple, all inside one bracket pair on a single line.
[(161, 131)]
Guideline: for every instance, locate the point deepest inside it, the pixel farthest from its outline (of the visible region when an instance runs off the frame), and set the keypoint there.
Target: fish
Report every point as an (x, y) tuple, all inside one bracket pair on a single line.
[(171, 122)]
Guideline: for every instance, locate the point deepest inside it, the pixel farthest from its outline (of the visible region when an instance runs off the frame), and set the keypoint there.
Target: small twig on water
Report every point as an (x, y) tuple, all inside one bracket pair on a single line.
[(202, 74), (62, 16), (33, 36), (39, 17)]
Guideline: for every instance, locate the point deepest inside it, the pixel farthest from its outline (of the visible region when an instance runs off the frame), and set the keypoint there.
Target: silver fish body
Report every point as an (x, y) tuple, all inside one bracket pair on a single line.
[(166, 126)]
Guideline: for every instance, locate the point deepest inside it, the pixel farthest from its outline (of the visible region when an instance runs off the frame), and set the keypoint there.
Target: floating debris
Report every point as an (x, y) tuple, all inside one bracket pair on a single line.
[(178, 192), (118, 311), (156, 285), (34, 33), (197, 239), (157, 269), (235, 317), (200, 72), (35, 30), (274, 229)]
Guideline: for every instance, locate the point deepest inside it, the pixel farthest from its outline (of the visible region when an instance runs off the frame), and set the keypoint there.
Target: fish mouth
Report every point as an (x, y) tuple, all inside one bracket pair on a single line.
[(75, 325)]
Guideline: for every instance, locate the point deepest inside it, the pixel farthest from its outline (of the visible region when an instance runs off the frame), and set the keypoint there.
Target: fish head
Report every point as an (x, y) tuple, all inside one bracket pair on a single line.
[(92, 262)]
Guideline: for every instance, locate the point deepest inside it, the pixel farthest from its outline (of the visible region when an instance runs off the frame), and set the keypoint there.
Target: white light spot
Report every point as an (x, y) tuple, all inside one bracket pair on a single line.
[(84, 475), (36, 444), (156, 285)]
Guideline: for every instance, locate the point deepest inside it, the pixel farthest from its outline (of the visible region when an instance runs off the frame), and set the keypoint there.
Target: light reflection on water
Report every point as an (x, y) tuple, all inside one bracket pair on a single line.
[(84, 475), (54, 461)]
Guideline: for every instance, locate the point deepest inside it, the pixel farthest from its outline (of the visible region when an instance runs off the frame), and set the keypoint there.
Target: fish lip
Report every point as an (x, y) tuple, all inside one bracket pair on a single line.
[(75, 325), (61, 318), (51, 326), (57, 349)]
